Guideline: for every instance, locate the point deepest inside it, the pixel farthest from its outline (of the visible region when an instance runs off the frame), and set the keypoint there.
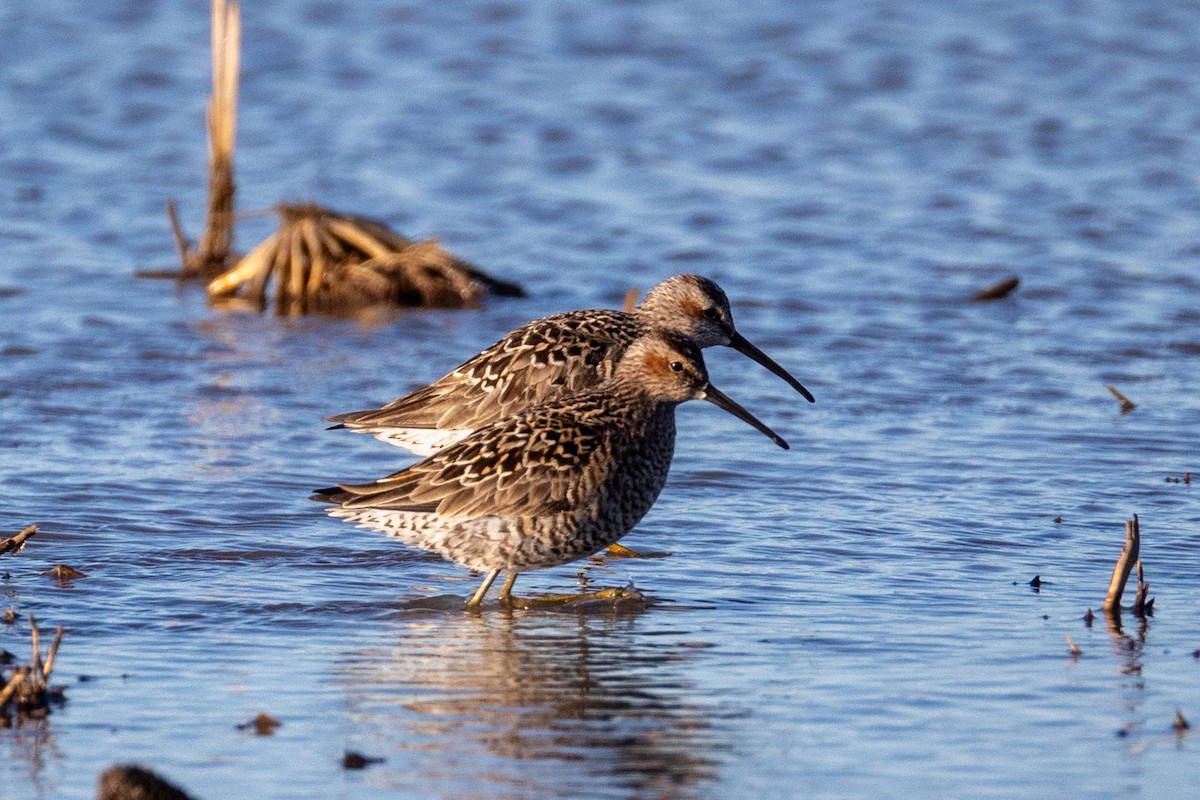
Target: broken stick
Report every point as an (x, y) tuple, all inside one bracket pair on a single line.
[(1124, 565), (13, 544)]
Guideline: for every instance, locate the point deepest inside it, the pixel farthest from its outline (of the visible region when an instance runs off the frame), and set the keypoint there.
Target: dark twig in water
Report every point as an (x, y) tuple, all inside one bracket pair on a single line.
[(353, 760), (1127, 405), (1181, 723), (1000, 290), (14, 543), (1142, 606), (1124, 565)]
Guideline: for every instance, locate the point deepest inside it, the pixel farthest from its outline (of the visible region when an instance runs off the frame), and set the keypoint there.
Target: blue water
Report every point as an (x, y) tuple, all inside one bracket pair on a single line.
[(851, 618)]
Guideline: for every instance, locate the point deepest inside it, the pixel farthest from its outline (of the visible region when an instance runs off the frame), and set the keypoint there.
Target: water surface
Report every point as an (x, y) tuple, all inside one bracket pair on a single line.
[(851, 618)]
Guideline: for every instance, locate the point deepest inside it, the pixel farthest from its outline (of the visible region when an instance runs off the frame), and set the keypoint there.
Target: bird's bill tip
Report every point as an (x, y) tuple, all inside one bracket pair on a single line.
[(744, 346), (723, 401)]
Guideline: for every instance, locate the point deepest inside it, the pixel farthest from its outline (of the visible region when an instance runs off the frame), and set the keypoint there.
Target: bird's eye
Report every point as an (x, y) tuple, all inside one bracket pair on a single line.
[(712, 313), (677, 366)]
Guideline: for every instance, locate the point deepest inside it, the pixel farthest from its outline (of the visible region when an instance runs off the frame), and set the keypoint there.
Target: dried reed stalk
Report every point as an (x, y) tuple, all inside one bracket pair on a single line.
[(212, 254), (216, 245), (1124, 565)]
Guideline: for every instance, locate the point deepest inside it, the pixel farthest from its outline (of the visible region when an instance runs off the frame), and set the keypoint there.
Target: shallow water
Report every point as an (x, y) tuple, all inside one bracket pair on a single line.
[(848, 619)]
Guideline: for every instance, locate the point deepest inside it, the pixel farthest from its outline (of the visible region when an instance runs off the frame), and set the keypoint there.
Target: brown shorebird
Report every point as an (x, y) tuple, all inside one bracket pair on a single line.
[(550, 358), (553, 483)]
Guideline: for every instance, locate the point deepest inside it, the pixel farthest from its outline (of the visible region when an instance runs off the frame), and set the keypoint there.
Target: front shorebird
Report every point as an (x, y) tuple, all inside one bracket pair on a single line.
[(552, 484), (551, 358)]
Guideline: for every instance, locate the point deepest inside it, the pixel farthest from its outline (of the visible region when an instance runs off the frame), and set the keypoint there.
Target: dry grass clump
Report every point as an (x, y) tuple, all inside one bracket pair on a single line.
[(322, 261), (25, 690)]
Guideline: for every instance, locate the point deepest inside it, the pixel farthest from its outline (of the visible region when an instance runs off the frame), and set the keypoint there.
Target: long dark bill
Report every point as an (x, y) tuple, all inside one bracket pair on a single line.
[(743, 346), (720, 400)]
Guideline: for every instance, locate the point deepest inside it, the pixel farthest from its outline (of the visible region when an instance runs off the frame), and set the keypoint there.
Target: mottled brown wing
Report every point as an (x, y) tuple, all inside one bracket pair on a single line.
[(544, 360), (532, 464)]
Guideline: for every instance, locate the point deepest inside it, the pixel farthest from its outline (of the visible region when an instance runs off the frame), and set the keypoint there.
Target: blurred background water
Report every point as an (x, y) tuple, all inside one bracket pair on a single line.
[(848, 619)]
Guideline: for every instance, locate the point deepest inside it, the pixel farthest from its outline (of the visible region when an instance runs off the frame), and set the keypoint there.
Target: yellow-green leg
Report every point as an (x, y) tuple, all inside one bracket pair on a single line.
[(477, 598), (506, 589)]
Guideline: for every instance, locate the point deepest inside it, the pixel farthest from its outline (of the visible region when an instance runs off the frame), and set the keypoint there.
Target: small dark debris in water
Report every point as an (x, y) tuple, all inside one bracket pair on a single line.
[(263, 724), (8, 658), (1089, 618), (1036, 582), (1186, 480), (10, 616), (998, 291), (353, 760), (1196, 654), (64, 573), (1123, 731), (1127, 405), (1181, 723), (14, 543), (86, 678), (1045, 616), (133, 782), (1058, 520), (1074, 648)]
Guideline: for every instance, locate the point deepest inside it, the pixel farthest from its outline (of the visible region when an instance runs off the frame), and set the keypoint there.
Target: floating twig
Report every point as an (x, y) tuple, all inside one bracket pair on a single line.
[(1127, 405), (1075, 651), (998, 291), (14, 543), (1181, 723)]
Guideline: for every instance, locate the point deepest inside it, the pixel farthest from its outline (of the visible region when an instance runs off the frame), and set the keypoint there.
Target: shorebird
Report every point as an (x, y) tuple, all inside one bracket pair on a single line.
[(551, 484), (550, 358)]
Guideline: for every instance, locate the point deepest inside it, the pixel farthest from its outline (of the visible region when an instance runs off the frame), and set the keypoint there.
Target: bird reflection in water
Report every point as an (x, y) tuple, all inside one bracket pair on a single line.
[(537, 704)]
